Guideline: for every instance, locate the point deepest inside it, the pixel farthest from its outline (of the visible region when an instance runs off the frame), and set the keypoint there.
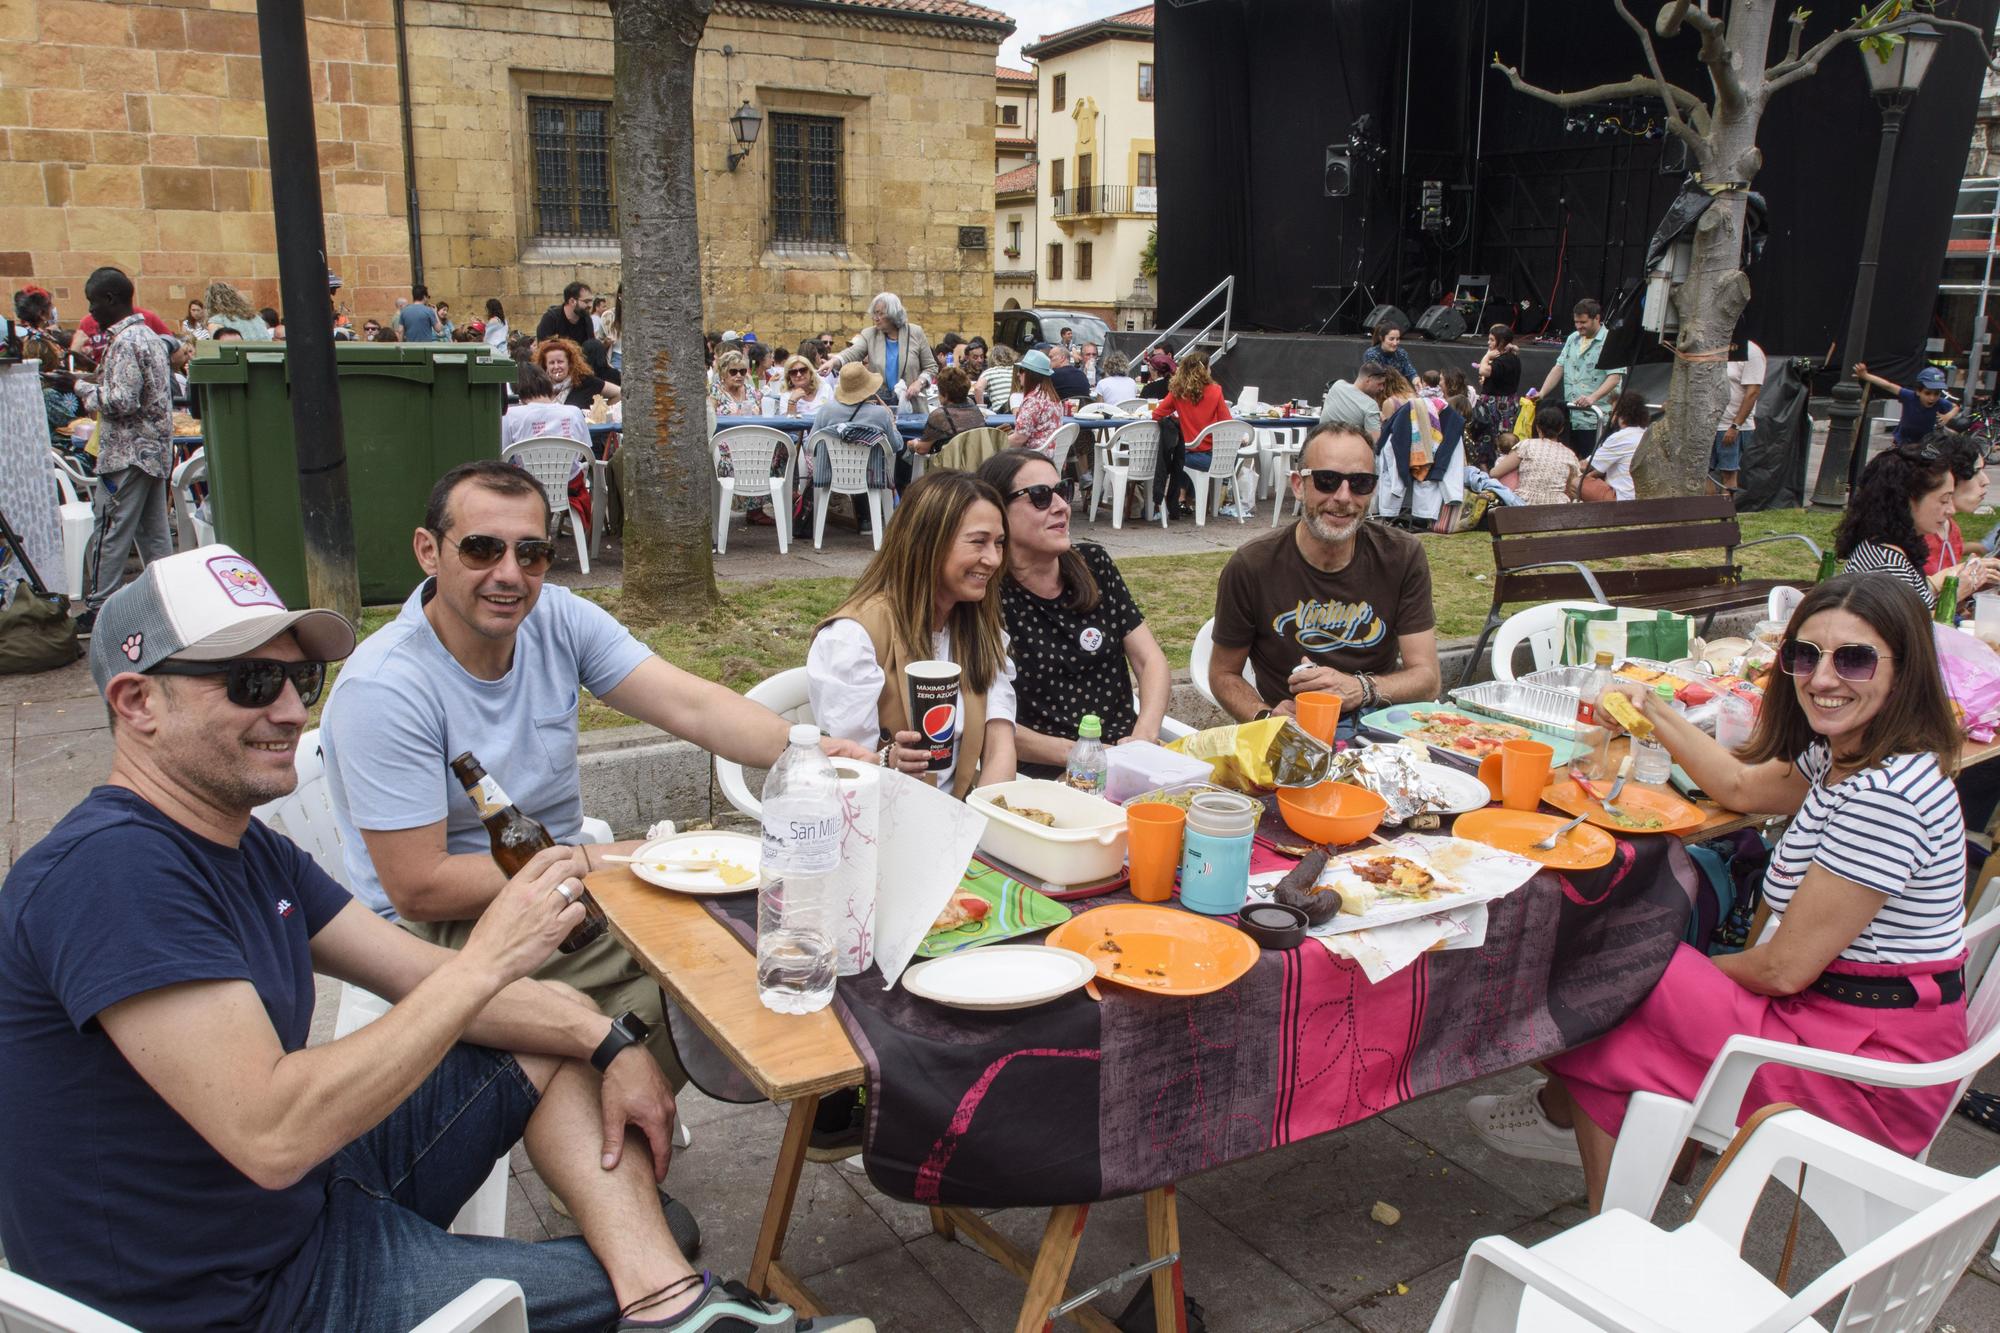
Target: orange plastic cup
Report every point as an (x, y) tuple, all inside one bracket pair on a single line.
[(1154, 831), (1489, 773), (1319, 713), (1524, 771)]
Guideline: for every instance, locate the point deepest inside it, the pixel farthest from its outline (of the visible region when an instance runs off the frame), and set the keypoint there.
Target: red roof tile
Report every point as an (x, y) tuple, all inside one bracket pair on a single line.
[(1008, 75), (1020, 178), (1142, 17), (1004, 142), (950, 9)]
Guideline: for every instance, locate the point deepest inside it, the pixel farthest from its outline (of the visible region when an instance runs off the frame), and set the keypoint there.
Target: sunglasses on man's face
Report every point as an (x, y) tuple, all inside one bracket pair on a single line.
[(1328, 482), (1851, 661), (1042, 495), (533, 554), (255, 682)]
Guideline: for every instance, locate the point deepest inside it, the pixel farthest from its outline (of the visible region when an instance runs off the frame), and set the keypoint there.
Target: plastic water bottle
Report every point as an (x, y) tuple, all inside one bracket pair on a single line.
[(802, 822), (1088, 768), (1651, 764)]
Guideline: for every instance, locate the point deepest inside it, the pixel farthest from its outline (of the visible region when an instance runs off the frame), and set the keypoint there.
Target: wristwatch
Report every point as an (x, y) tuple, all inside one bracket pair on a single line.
[(1260, 715), (626, 1030)]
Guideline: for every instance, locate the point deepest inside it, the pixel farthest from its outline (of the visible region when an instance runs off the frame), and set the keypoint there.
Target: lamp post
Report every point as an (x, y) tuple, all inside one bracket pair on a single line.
[(744, 125), (1894, 83)]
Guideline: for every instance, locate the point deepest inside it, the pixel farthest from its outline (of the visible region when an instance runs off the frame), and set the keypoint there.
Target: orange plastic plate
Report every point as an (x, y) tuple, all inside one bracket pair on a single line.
[(1675, 815), (1165, 950), (1582, 848)]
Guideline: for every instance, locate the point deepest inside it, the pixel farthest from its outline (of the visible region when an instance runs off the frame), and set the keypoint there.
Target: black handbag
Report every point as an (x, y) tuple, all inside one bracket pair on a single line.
[(36, 633)]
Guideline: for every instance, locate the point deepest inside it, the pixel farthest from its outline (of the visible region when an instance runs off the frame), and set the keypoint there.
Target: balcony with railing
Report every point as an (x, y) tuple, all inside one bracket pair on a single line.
[(1105, 200)]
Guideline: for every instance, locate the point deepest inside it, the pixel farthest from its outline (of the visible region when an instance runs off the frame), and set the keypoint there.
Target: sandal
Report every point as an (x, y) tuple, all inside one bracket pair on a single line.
[(1982, 1109)]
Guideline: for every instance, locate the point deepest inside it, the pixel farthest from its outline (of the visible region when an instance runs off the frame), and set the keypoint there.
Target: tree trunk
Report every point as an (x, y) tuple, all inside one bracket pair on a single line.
[(1673, 458), (668, 473)]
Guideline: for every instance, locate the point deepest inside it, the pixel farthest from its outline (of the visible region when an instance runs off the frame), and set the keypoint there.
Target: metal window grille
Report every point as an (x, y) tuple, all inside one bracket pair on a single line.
[(807, 179), (1083, 260), (575, 193)]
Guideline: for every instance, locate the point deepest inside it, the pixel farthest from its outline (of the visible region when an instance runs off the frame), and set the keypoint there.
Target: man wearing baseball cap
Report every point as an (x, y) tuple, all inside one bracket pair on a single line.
[(1925, 408), (176, 1156)]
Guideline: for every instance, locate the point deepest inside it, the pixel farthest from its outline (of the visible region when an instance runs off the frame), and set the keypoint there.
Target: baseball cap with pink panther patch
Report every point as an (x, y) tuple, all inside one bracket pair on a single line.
[(205, 605)]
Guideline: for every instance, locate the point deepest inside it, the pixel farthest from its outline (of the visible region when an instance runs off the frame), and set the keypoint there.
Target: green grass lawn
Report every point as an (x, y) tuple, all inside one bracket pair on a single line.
[(759, 629)]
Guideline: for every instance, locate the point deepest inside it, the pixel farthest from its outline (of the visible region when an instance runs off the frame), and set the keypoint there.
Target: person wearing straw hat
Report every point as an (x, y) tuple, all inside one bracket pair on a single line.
[(157, 960)]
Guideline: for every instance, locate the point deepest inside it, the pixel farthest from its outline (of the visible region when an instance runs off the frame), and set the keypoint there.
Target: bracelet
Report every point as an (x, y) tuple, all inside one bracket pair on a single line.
[(883, 757)]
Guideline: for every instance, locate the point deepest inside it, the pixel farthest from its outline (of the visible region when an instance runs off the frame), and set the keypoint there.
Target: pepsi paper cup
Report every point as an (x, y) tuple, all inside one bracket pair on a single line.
[(934, 708)]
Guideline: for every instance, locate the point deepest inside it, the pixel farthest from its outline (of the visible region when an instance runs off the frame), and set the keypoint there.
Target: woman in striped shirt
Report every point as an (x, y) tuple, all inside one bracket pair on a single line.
[(1865, 949), (1904, 495)]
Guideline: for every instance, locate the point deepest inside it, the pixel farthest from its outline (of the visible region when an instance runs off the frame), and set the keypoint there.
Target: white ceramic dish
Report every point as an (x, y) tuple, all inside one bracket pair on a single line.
[(1462, 791), (739, 848), (1000, 976), (1087, 843)]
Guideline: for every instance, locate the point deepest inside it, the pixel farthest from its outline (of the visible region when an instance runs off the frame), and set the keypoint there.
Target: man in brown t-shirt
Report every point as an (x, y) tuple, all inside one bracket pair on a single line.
[(1332, 603)]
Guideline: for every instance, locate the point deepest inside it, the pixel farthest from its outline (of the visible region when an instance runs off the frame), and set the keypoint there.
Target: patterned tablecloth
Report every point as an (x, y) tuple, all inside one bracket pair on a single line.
[(1076, 1101), (27, 489)]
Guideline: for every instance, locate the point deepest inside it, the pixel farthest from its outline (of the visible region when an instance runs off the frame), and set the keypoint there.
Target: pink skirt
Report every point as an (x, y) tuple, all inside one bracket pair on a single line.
[(1671, 1039)]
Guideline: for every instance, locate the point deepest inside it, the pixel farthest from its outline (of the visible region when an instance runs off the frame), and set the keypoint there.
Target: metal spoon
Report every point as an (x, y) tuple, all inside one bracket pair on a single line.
[(1548, 844), (1624, 772)]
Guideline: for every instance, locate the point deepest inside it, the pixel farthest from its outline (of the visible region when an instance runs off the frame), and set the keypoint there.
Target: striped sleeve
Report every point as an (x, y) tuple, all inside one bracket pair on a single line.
[(1882, 836), (1876, 558)]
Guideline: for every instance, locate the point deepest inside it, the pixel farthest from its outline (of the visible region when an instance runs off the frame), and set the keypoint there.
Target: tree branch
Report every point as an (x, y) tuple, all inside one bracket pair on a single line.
[(1678, 126), (1797, 22), (1795, 68), (1641, 86)]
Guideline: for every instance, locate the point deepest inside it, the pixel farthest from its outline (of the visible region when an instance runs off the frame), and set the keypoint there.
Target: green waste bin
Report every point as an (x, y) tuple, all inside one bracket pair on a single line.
[(412, 411)]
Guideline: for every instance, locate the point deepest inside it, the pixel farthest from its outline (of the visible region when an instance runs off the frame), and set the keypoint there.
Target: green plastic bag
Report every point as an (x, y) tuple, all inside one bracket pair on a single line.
[(1623, 631), (36, 633)]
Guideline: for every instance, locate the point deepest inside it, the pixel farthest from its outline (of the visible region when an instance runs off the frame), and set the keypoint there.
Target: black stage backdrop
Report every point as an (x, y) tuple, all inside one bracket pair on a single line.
[(1252, 93)]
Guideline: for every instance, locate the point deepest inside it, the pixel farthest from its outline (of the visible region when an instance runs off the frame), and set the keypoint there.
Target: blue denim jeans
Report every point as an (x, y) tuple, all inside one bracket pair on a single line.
[(386, 1261)]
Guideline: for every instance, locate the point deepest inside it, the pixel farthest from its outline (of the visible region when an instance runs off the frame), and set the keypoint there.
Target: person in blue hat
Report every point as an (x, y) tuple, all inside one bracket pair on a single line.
[(1925, 408)]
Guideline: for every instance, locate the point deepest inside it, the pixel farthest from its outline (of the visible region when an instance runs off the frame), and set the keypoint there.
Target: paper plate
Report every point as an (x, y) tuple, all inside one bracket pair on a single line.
[(1006, 976), (1015, 909), (738, 848), (1674, 814), (1462, 791), (1582, 848), (1164, 950)]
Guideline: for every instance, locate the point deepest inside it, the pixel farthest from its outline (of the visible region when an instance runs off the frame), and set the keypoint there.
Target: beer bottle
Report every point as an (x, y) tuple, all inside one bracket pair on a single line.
[(1828, 566), (516, 838), (1947, 601)]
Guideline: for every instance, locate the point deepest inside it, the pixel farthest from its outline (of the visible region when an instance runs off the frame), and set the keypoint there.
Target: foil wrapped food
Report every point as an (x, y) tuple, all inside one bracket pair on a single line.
[(1390, 772)]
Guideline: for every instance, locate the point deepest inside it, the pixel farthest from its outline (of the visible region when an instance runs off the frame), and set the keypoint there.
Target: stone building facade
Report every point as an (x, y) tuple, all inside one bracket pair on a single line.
[(872, 170)]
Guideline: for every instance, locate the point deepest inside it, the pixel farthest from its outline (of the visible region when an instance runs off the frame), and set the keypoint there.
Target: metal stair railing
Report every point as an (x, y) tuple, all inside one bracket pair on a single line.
[(1226, 289)]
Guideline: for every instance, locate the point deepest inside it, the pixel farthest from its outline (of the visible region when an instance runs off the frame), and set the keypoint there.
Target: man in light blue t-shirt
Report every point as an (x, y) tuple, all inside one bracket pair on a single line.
[(1587, 387), (485, 658), (418, 322)]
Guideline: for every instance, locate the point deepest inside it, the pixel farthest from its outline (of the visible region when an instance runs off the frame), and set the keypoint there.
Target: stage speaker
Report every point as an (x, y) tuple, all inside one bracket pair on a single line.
[(1339, 174), (1441, 323), (1385, 313)]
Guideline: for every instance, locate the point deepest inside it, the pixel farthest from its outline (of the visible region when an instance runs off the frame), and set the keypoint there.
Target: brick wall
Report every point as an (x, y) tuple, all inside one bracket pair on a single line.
[(133, 134)]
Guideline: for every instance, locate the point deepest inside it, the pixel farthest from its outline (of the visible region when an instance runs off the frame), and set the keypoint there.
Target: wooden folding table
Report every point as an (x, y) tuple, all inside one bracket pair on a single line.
[(798, 1058)]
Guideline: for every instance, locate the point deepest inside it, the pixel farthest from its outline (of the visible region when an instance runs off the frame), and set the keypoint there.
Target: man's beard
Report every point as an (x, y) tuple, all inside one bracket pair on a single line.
[(1323, 529)]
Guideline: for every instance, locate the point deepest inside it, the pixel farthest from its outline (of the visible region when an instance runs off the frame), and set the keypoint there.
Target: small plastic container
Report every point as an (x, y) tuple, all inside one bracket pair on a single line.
[(1215, 853), (1273, 925)]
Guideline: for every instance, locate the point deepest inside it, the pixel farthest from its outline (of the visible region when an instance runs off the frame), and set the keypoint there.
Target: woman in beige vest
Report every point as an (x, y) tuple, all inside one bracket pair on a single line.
[(932, 592)]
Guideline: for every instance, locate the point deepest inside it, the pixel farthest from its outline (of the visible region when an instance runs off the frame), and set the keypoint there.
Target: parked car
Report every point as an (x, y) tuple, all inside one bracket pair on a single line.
[(1023, 329)]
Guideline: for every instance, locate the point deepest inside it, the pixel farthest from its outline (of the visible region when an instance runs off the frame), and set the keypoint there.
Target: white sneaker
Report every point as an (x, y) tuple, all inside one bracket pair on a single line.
[(1516, 1124)]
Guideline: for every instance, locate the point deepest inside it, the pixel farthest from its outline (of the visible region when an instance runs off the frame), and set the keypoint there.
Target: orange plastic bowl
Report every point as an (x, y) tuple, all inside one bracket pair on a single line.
[(1335, 813)]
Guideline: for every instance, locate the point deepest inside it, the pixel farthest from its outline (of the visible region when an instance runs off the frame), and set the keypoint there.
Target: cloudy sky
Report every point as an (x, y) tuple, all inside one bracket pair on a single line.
[(1035, 19)]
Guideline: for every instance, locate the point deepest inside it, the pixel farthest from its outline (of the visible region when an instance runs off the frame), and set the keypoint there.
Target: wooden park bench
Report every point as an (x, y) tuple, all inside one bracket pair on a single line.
[(1546, 553)]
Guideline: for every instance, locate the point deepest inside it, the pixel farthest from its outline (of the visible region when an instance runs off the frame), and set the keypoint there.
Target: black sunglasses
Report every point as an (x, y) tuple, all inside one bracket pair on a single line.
[(532, 554), (1851, 661), (1327, 481), (1042, 495), (255, 682)]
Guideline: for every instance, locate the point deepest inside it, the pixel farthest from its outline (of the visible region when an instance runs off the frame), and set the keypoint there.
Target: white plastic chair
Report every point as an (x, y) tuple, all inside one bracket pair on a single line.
[(849, 470), (195, 528), (1134, 405), (1541, 628), (784, 694), (78, 519), (1131, 454), (1619, 1272), (552, 462), (493, 1305), (751, 451), (1782, 602), (1655, 1125), (1061, 443), (1198, 660), (1228, 441)]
